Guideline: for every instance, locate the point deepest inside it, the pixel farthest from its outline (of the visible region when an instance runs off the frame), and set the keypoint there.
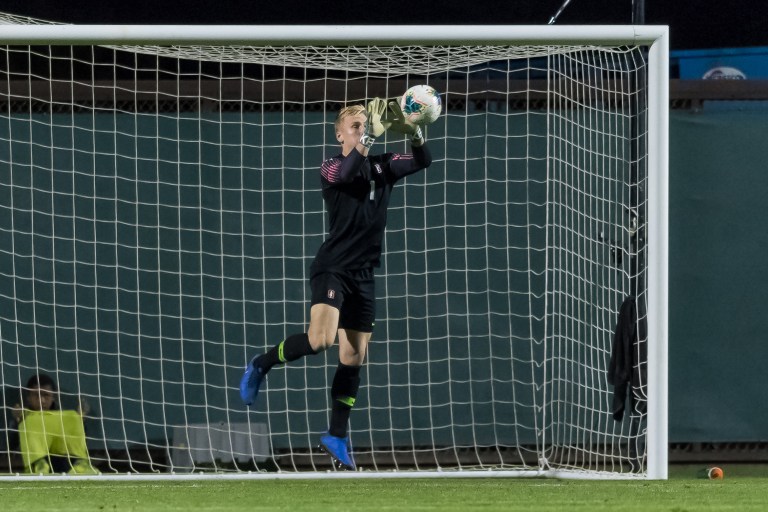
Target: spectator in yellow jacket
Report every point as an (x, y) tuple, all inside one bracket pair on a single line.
[(51, 440)]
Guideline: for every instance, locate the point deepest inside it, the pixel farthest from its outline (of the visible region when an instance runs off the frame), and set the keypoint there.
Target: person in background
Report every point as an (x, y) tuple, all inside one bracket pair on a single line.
[(51, 440)]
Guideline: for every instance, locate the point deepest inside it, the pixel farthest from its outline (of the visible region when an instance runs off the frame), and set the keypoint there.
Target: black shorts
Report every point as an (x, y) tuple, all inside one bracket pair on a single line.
[(353, 293)]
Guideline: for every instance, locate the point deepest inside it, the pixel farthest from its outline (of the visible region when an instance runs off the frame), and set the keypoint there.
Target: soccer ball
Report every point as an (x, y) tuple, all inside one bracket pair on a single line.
[(421, 104)]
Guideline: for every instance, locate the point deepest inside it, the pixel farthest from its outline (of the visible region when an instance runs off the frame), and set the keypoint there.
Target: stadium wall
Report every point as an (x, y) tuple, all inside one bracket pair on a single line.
[(717, 242)]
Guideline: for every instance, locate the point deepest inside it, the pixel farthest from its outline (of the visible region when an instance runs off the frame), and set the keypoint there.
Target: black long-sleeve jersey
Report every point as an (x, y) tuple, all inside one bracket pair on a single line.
[(356, 190)]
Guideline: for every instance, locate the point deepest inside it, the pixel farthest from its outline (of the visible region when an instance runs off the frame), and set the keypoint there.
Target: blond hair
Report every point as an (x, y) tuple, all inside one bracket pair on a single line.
[(351, 110)]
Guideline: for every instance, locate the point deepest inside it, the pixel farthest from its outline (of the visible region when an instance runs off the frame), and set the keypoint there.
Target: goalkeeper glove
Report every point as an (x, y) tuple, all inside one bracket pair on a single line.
[(376, 123), (398, 122)]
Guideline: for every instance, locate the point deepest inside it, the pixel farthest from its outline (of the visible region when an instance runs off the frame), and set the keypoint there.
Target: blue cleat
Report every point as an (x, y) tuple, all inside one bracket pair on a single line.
[(251, 381), (338, 449)]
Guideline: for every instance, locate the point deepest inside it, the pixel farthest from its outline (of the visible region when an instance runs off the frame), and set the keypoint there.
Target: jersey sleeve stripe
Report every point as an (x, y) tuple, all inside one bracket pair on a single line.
[(331, 170)]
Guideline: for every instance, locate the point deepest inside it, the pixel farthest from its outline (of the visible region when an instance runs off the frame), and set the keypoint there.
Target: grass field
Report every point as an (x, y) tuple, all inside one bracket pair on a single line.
[(745, 487)]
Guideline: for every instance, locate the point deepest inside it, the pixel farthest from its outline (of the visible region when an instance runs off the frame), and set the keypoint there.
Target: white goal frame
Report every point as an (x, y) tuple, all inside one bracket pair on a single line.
[(656, 39)]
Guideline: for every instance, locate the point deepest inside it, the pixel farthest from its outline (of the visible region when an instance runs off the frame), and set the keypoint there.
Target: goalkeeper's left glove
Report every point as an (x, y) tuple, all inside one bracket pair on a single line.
[(398, 123)]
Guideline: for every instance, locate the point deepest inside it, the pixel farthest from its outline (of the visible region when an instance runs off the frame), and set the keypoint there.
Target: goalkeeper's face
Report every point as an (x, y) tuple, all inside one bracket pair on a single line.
[(349, 131)]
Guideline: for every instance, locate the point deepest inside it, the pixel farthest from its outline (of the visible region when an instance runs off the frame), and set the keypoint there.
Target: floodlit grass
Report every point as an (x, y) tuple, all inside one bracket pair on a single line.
[(744, 488)]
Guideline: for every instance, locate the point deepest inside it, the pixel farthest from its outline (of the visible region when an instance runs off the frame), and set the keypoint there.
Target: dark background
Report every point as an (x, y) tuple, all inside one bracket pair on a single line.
[(694, 24)]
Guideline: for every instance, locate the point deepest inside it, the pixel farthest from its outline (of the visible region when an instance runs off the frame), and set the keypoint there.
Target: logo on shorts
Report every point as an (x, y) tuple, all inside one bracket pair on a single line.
[(379, 170), (331, 294)]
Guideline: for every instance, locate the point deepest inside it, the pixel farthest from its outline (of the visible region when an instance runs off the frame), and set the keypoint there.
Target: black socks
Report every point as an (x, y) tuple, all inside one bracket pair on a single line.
[(344, 389), (290, 349), (346, 381)]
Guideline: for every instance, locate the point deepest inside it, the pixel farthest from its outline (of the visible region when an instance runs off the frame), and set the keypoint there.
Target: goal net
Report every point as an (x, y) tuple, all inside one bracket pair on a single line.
[(160, 198)]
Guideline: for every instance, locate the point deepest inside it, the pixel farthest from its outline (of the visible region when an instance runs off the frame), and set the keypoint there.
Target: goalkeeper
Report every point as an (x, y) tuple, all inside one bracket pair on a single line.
[(356, 187)]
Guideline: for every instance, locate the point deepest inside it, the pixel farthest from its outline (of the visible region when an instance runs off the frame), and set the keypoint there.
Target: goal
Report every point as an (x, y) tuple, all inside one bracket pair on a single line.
[(160, 198)]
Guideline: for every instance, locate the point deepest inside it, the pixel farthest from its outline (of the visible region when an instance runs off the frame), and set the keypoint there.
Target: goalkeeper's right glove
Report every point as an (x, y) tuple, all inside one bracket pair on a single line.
[(376, 123)]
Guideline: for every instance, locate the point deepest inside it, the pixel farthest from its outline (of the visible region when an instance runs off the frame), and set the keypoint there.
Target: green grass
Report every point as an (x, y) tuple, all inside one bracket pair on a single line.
[(744, 488)]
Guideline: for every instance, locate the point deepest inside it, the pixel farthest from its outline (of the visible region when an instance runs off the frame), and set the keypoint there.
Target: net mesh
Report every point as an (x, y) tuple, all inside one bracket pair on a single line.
[(161, 207)]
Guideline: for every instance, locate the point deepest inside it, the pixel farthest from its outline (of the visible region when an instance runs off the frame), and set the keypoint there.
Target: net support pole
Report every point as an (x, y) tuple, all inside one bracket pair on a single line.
[(658, 256)]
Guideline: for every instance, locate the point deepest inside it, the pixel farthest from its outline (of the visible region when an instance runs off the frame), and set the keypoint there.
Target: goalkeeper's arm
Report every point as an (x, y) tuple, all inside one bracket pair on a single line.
[(419, 158), (422, 158)]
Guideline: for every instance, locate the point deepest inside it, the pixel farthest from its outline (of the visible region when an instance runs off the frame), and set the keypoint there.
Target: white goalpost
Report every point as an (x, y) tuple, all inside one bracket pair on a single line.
[(160, 198)]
